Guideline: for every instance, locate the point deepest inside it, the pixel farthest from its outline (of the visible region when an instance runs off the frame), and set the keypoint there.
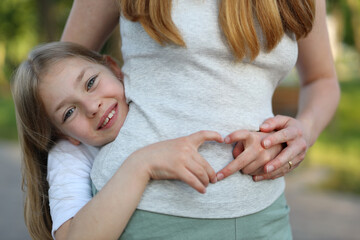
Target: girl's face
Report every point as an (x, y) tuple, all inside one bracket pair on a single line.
[(84, 100)]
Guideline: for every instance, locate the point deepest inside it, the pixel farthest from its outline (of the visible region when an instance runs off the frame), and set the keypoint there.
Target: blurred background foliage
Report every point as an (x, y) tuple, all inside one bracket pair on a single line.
[(26, 23)]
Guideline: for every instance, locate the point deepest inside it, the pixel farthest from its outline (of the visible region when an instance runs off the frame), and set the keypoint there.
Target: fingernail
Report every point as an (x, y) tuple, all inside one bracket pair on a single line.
[(214, 180), (258, 178), (220, 176), (227, 140), (269, 168), (265, 125), (267, 143)]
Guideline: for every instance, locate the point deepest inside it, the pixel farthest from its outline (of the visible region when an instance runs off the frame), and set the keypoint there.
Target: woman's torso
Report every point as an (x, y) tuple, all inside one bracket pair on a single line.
[(175, 91)]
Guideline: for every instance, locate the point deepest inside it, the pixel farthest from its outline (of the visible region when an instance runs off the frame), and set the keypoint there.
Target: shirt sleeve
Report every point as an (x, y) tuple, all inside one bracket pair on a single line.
[(69, 181)]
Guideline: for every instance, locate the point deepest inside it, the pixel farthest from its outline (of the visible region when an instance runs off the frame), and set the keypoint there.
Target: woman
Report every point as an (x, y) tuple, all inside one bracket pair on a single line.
[(215, 73)]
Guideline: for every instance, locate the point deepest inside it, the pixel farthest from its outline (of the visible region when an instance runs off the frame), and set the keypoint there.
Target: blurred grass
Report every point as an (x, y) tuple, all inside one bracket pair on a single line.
[(338, 147), (7, 118)]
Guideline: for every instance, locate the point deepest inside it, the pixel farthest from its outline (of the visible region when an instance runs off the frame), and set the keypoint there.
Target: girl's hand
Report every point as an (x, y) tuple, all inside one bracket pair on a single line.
[(179, 159), (249, 155), (290, 133)]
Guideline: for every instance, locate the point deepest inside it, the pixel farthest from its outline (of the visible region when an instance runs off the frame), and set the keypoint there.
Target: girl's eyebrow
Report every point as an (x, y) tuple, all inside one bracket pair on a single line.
[(81, 75)]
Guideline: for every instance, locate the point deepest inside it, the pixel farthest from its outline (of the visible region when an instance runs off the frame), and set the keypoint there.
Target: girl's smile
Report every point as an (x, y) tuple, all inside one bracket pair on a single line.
[(84, 100), (109, 118)]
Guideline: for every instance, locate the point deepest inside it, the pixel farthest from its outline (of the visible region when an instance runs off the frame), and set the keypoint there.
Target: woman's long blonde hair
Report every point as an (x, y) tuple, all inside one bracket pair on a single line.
[(236, 18), (36, 134)]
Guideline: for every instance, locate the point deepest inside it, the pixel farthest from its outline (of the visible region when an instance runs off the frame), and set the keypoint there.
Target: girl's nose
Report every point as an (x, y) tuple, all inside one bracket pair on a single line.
[(92, 107)]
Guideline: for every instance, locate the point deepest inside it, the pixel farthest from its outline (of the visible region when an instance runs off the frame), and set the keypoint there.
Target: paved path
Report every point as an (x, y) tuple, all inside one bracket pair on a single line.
[(12, 225), (318, 215), (314, 215)]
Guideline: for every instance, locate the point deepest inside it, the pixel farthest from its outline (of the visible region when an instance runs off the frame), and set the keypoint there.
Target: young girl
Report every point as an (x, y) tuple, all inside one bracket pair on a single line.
[(66, 93), (215, 65)]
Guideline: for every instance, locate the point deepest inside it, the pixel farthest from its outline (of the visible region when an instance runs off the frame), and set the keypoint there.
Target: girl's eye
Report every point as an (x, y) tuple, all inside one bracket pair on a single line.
[(68, 113), (91, 82)]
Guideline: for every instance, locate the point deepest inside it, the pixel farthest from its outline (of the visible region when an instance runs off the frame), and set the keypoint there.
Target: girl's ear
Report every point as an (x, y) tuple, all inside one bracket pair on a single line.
[(73, 140), (114, 67), (70, 139)]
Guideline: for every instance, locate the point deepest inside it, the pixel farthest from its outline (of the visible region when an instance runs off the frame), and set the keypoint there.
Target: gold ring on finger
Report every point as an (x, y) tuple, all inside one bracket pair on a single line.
[(290, 164)]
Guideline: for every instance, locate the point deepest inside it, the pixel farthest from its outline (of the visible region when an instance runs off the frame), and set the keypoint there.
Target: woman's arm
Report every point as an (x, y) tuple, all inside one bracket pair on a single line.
[(319, 97), (91, 22), (106, 215)]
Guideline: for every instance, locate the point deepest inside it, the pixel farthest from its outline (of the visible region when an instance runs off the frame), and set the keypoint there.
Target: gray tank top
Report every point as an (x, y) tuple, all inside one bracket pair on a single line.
[(175, 91)]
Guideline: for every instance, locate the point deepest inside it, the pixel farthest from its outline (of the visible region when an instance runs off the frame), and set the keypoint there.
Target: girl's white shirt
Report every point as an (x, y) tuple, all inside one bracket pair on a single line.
[(68, 175)]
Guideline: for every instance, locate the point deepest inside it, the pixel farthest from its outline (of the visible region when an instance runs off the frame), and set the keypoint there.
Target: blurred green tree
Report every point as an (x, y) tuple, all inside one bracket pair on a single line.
[(348, 13), (24, 24)]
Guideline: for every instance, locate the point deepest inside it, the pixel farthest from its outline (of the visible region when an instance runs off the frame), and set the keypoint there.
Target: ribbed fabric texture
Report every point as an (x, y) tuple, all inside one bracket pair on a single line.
[(176, 91)]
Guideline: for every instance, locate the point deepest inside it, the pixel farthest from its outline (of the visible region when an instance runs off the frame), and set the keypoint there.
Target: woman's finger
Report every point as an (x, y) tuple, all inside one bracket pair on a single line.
[(259, 171), (287, 154), (267, 176), (282, 136), (286, 168), (265, 156), (273, 123), (273, 175), (239, 135)]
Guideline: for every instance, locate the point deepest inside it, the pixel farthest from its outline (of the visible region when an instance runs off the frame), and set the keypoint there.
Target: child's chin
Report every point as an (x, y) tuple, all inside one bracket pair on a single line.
[(104, 142)]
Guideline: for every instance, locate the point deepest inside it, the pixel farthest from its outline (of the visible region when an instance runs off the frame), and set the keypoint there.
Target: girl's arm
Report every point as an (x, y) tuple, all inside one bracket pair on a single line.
[(91, 22), (106, 215)]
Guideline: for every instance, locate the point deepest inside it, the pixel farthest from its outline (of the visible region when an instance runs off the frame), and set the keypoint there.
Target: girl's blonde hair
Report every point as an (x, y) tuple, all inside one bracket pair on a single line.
[(236, 18), (36, 134)]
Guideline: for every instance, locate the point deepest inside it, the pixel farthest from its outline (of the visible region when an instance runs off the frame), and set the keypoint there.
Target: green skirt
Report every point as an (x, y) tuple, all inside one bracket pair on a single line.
[(270, 223)]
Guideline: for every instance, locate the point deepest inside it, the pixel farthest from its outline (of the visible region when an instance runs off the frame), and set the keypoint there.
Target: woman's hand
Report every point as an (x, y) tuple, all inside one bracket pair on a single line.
[(290, 133), (249, 155), (179, 159), (318, 99)]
